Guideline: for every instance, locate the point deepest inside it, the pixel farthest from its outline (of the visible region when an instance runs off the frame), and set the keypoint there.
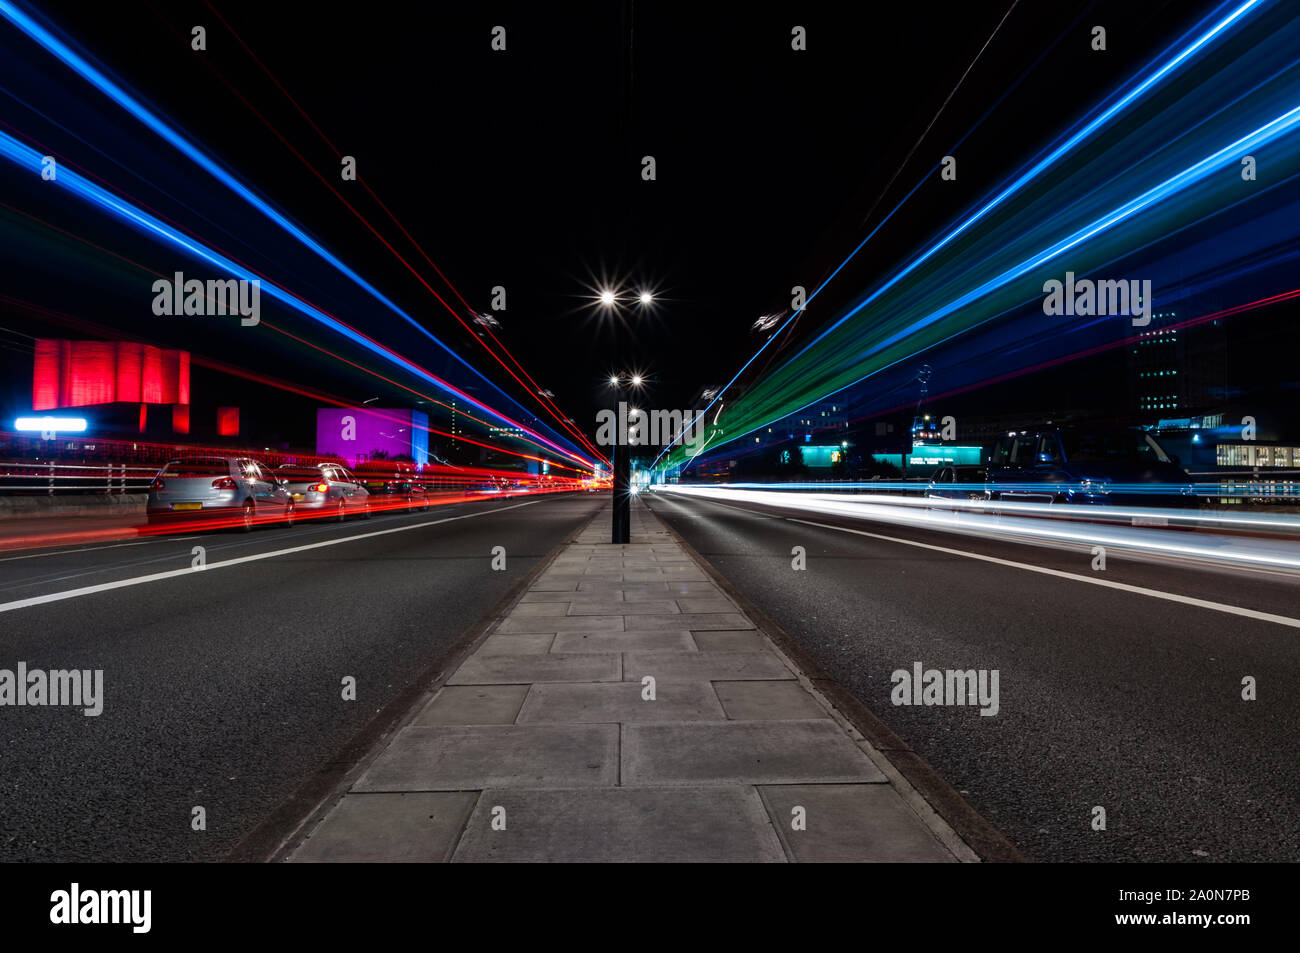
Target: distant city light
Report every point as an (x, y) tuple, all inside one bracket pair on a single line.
[(607, 297), (50, 424), (646, 297), (636, 380)]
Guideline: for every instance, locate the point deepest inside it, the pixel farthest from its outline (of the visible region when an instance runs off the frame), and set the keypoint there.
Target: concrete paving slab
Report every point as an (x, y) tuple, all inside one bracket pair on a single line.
[(659, 606), (474, 705), (389, 828), (619, 703), (731, 641), (706, 605), (622, 825), (567, 581), (532, 643), (468, 758), (657, 640), (851, 823), (743, 752), (547, 585), (596, 584), (688, 620), (691, 666), (690, 589), (658, 594), (536, 609), (569, 595), (767, 701), (526, 669), (595, 623)]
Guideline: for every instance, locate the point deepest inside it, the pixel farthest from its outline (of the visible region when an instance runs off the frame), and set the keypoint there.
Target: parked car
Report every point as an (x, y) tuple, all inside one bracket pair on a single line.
[(393, 484), (957, 482), (1087, 465), (211, 489), (326, 490)]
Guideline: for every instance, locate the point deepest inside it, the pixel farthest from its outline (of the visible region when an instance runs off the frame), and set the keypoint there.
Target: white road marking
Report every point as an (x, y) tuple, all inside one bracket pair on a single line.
[(65, 552), (1122, 586), (189, 571), (94, 549)]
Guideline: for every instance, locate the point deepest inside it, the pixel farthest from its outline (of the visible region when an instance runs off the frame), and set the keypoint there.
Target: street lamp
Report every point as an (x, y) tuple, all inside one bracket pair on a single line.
[(613, 301), (620, 527)]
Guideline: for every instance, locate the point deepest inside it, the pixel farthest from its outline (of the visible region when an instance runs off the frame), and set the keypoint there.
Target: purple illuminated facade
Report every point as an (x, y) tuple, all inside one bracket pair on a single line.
[(358, 434)]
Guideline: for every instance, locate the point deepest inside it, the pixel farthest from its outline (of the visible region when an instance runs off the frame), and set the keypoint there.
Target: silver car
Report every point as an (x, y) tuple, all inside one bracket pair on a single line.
[(325, 490), (218, 492)]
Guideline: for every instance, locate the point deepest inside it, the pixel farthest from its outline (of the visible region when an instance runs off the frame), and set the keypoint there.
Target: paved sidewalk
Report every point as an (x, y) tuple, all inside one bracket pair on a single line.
[(549, 731)]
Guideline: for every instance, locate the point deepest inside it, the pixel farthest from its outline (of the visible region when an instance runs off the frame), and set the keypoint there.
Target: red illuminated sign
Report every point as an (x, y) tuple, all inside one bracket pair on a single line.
[(80, 373), (228, 421)]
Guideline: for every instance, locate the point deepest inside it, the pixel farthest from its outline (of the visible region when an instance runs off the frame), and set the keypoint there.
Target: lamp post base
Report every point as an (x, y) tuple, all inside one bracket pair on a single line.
[(621, 524)]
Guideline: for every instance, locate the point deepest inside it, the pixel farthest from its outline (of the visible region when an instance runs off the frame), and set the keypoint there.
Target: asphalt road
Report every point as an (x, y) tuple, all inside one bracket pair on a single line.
[(1108, 698), (223, 687)]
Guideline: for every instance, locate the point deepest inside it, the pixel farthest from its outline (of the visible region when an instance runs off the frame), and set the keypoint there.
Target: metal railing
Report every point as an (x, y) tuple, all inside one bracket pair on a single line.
[(1256, 484), (26, 476)]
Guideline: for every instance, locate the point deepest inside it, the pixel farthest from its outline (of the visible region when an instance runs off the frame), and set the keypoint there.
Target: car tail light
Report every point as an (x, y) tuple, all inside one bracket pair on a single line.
[(321, 487), (225, 483), (158, 483)]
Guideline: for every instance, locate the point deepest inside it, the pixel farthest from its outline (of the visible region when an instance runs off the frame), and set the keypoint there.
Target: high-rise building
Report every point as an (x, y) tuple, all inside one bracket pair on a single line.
[(1173, 371)]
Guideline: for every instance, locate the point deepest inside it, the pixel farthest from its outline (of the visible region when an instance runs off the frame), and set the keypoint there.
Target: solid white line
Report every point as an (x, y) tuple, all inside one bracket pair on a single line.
[(1123, 586), (174, 573)]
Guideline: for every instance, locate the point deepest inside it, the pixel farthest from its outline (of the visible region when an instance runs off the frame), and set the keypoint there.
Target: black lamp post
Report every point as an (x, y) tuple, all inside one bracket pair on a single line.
[(620, 526)]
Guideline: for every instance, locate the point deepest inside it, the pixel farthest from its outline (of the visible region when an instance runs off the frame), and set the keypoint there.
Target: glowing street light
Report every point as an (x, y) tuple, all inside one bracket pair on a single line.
[(50, 425), (613, 303)]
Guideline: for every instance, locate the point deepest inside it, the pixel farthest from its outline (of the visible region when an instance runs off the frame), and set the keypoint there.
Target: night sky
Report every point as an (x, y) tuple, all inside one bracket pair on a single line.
[(522, 169)]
